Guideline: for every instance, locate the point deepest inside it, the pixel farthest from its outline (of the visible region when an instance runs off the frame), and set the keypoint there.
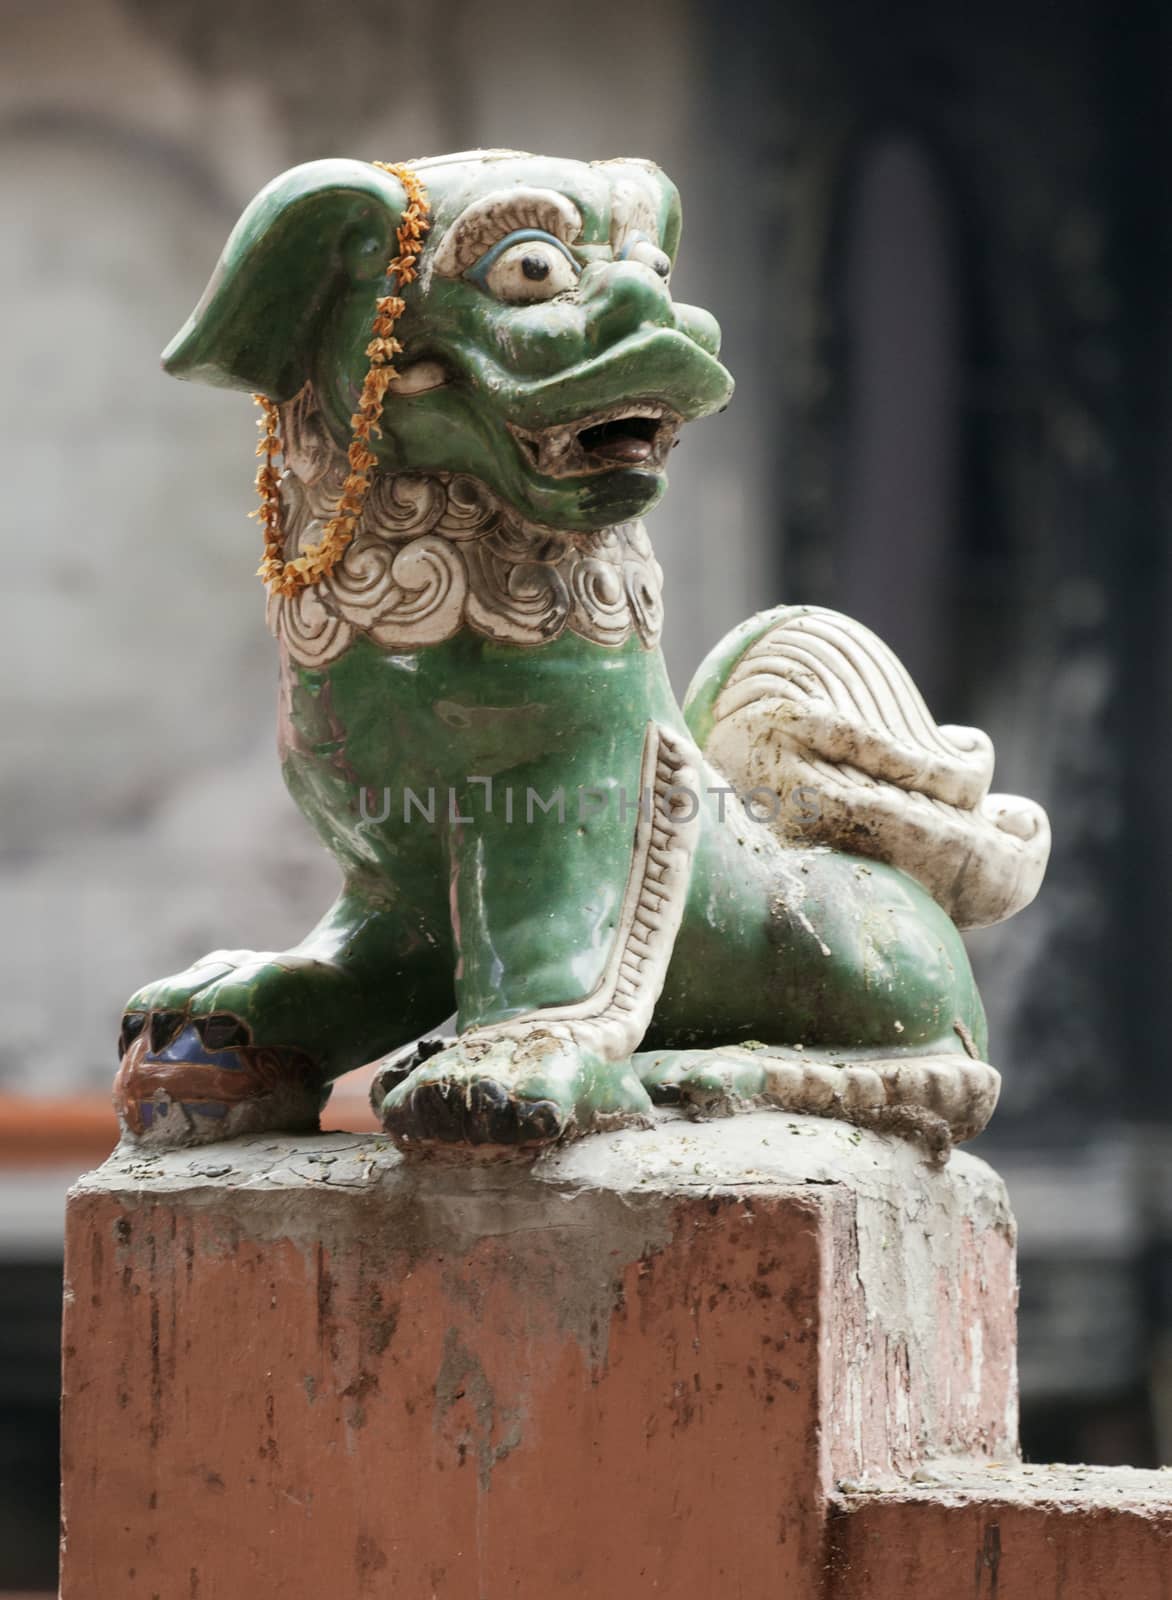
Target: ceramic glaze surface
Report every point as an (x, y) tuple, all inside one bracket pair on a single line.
[(748, 901)]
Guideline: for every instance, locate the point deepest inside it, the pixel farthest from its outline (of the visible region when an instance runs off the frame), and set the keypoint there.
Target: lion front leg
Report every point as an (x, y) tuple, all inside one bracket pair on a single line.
[(248, 1041), (565, 922)]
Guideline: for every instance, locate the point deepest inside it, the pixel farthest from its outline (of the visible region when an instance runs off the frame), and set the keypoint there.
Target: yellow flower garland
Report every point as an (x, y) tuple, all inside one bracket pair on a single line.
[(318, 560)]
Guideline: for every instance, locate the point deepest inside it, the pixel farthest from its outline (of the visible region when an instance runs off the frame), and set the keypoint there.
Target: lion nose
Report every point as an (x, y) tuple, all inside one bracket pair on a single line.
[(700, 326), (620, 297)]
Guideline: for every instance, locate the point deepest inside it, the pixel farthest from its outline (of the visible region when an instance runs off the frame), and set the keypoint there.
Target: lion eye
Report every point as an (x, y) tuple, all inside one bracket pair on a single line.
[(530, 270)]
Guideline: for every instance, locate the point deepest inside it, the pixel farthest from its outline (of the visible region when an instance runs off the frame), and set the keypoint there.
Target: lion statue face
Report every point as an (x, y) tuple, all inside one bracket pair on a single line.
[(542, 350)]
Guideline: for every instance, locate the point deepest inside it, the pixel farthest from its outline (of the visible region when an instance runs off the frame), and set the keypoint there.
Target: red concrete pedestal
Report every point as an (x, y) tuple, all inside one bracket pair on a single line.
[(639, 1367)]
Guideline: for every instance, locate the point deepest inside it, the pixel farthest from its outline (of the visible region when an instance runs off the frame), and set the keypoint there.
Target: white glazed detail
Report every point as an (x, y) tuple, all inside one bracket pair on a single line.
[(819, 702), (439, 552)]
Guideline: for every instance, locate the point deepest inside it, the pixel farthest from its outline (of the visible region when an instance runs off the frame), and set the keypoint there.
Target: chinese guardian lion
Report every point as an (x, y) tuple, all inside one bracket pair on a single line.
[(472, 371)]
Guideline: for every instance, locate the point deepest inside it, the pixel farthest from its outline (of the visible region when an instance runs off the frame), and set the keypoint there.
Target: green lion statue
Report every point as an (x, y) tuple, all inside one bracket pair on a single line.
[(471, 372)]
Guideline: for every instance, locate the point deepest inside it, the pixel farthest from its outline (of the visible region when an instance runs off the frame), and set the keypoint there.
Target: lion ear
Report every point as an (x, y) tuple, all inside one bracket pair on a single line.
[(310, 235)]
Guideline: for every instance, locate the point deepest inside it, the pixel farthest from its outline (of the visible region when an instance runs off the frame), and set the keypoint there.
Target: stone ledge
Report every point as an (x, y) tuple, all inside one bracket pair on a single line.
[(1059, 1486), (725, 1154)]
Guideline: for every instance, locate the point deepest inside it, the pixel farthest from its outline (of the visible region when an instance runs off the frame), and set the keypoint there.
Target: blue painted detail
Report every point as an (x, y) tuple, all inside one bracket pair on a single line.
[(479, 272), (631, 241), (188, 1047)]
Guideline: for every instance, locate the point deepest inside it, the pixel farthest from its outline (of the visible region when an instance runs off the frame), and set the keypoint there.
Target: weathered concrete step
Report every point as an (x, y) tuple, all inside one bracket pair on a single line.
[(1005, 1532)]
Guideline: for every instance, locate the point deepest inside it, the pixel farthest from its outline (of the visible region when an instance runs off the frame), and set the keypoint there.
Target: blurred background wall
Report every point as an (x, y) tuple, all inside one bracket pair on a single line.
[(938, 241)]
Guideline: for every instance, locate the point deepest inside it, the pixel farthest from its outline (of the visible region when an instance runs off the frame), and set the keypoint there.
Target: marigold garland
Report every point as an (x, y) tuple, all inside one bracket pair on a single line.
[(316, 561)]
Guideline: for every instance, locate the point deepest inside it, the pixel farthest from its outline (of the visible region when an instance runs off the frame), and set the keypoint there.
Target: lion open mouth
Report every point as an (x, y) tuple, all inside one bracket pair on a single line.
[(633, 434)]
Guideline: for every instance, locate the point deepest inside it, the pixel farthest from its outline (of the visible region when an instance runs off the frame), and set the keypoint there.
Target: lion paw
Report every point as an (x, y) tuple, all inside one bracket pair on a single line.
[(521, 1093)]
